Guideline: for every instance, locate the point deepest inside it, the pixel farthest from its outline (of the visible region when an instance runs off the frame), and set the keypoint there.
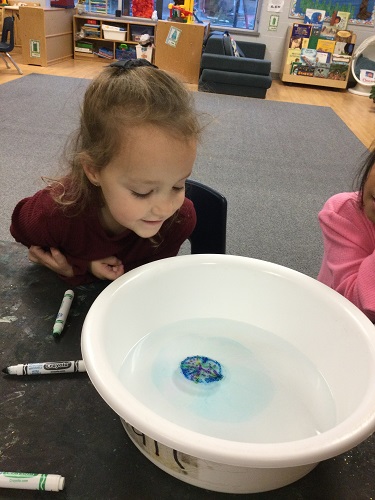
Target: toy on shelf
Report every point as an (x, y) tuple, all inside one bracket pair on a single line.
[(181, 11), (145, 48)]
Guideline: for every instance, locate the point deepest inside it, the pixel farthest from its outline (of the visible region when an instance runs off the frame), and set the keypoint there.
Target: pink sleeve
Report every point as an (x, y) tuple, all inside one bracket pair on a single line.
[(349, 257)]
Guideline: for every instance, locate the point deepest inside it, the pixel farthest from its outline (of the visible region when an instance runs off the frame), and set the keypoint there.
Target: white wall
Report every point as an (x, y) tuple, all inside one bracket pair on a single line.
[(276, 40)]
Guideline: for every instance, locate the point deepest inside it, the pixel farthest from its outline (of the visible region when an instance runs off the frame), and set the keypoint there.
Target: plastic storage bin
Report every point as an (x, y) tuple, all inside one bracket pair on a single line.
[(113, 34), (125, 54)]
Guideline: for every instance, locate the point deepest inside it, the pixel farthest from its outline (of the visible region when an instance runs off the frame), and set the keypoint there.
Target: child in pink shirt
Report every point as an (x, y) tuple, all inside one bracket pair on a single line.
[(347, 221)]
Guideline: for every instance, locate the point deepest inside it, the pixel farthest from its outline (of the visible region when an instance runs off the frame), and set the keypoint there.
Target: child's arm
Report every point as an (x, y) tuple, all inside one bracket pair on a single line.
[(349, 255), (52, 259), (55, 240), (109, 268)]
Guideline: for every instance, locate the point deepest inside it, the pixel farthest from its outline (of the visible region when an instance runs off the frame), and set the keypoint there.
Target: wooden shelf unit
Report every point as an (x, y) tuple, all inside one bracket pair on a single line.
[(285, 76), (46, 35), (133, 27), (184, 56)]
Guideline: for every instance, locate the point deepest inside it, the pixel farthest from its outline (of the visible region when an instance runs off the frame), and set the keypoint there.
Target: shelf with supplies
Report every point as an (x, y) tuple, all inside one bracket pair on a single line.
[(98, 6), (108, 37), (317, 57)]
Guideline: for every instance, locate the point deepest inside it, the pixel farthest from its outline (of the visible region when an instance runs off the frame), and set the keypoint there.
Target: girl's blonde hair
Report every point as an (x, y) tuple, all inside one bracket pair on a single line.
[(121, 97)]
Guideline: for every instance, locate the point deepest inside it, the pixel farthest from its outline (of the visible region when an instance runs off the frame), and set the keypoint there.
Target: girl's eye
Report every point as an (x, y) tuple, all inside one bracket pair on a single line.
[(141, 195), (145, 195)]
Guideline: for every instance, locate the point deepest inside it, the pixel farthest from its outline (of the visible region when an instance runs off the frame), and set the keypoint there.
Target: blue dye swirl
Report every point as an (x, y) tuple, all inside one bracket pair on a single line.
[(201, 369)]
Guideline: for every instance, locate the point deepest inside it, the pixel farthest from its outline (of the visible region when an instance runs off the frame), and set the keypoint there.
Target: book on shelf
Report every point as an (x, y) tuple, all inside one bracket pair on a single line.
[(83, 49), (305, 70), (294, 67), (84, 54), (344, 36), (84, 44), (344, 48), (104, 52), (314, 16), (338, 71), (340, 19), (341, 58), (328, 32), (92, 34), (301, 30), (322, 65), (321, 70), (293, 55), (308, 56), (314, 37), (299, 36), (325, 45), (323, 57)]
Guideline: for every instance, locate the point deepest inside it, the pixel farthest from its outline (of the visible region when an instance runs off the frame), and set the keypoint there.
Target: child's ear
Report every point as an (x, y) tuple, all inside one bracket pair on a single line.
[(91, 172)]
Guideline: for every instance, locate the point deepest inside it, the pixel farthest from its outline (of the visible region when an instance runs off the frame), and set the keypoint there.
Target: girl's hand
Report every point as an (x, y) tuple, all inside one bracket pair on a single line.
[(109, 268), (53, 259)]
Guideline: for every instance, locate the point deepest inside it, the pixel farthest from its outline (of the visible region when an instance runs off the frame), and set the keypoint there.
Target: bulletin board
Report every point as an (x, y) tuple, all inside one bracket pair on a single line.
[(362, 11)]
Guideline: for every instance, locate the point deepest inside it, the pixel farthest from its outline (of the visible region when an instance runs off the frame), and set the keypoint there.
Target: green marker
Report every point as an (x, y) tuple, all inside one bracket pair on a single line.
[(31, 481), (63, 313)]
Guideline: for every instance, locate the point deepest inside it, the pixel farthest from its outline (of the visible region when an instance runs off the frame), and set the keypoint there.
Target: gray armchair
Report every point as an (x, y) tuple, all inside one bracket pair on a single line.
[(236, 68)]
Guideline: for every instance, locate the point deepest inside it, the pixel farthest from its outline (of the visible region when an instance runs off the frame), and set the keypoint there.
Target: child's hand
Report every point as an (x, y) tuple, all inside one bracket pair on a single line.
[(109, 268), (53, 259)]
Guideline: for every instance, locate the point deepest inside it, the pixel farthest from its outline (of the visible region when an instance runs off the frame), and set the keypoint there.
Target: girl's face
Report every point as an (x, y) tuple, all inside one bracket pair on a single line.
[(144, 184), (369, 196)]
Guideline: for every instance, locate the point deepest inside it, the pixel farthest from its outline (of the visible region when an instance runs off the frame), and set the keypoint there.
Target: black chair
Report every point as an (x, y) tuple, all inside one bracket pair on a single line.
[(7, 42), (209, 235)]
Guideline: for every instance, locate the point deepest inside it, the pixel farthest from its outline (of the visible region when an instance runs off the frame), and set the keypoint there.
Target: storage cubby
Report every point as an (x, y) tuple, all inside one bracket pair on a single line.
[(92, 39)]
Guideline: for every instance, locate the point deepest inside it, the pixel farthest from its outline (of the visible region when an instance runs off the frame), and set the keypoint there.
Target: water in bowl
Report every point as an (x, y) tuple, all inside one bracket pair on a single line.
[(268, 391)]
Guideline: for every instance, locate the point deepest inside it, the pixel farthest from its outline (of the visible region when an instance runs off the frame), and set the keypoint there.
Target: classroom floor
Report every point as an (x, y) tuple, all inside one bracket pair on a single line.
[(358, 112)]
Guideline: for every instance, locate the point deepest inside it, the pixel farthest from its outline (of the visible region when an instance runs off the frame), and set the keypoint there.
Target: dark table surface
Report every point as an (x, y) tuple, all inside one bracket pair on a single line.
[(58, 424)]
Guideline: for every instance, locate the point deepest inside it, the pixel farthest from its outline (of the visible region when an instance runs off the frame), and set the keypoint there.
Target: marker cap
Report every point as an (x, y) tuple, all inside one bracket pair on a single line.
[(81, 366), (54, 482), (57, 329)]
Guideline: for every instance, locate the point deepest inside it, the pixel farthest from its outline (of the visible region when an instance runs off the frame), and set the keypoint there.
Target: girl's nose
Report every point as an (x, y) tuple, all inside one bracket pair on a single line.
[(163, 207)]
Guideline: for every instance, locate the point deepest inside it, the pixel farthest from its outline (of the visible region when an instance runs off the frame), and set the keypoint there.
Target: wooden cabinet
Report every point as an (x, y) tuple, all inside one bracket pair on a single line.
[(178, 48), (46, 35), (91, 40), (286, 75)]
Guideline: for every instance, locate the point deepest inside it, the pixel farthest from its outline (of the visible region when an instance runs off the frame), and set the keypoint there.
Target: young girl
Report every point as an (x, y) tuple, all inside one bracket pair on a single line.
[(123, 203), (348, 224)]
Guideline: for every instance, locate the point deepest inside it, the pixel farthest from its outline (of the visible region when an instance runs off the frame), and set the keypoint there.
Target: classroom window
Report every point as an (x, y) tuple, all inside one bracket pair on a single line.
[(228, 14)]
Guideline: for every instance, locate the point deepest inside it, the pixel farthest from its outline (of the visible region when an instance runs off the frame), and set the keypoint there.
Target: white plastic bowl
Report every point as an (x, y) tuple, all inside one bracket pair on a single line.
[(318, 324)]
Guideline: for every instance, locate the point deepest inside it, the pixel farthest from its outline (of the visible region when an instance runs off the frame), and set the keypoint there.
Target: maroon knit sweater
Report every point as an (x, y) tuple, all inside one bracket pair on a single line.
[(38, 220)]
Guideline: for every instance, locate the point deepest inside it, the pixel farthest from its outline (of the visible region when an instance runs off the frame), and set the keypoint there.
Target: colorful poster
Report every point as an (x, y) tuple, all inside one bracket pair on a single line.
[(362, 12)]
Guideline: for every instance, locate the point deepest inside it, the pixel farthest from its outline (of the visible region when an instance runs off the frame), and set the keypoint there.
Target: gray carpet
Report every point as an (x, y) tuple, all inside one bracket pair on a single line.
[(275, 162)]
